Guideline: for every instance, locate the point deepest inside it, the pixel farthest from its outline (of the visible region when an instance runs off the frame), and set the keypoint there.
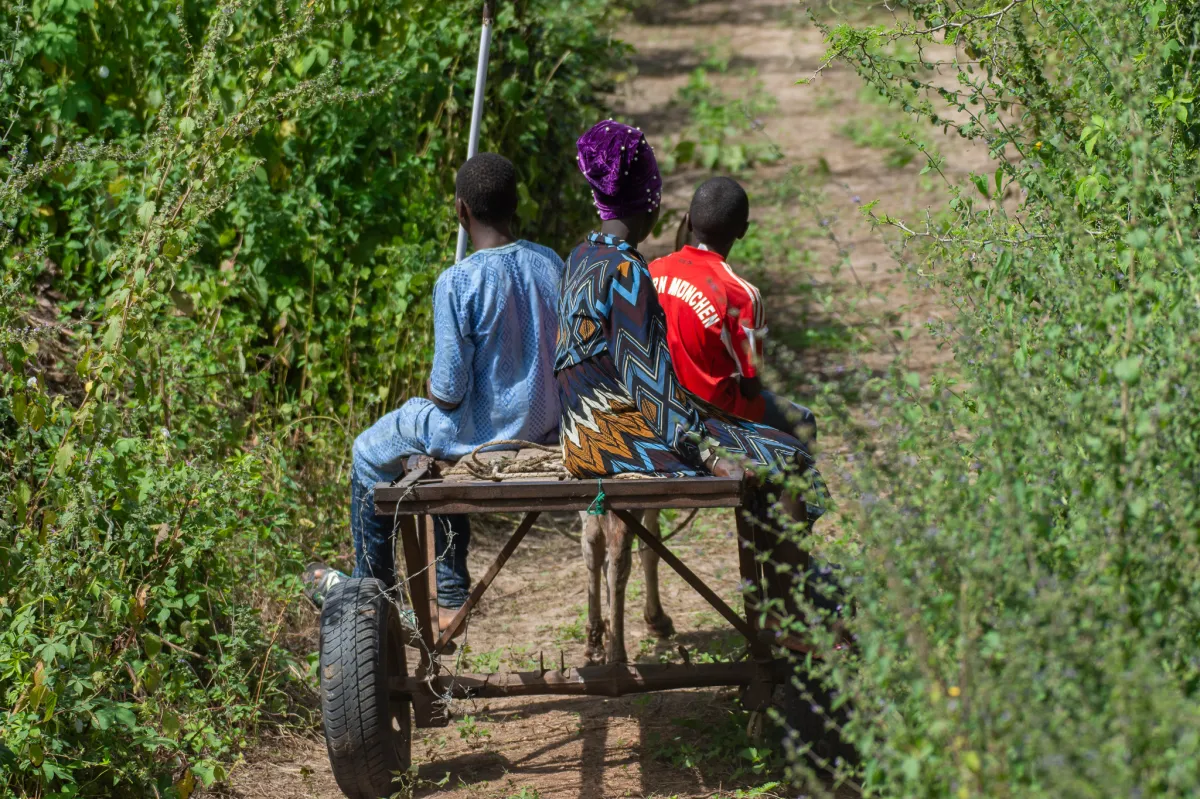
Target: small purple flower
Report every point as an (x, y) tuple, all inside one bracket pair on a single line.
[(856, 200)]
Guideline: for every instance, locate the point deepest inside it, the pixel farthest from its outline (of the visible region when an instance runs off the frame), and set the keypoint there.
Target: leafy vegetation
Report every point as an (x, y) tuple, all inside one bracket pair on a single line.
[(1023, 530), (716, 136), (525, 793), (894, 138), (218, 223), (472, 732), (725, 745)]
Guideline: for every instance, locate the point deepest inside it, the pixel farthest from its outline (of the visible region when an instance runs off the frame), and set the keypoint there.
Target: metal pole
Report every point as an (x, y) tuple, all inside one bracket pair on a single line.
[(485, 43)]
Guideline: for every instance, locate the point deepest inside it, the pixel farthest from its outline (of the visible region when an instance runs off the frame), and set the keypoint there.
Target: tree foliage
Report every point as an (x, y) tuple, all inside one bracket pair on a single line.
[(219, 222), (1024, 537)]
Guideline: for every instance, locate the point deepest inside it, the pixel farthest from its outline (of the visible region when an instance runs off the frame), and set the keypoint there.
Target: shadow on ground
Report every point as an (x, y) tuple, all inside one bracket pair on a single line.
[(673, 758)]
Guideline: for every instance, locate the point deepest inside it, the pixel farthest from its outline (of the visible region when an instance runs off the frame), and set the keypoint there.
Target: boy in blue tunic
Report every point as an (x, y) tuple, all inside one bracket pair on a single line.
[(495, 321)]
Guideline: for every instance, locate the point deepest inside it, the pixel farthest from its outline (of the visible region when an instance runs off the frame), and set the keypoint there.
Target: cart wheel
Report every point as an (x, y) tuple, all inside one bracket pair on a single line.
[(368, 730), (806, 721)]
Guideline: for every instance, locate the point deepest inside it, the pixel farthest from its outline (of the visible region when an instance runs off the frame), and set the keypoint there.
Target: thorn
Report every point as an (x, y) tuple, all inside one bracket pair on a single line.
[(683, 653), (541, 661), (562, 662)]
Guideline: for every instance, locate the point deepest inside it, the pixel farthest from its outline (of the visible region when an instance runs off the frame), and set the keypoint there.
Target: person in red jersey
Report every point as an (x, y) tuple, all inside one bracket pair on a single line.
[(716, 322)]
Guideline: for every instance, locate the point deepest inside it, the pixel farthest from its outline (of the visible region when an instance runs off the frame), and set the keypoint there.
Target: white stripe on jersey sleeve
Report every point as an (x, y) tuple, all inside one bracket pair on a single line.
[(756, 302)]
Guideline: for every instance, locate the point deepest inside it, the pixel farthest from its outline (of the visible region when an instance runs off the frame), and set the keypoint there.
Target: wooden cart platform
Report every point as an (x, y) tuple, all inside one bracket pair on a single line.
[(425, 491), (370, 693)]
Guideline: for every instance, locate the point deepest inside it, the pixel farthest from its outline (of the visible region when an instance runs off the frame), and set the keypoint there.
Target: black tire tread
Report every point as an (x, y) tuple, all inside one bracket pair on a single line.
[(816, 726), (355, 624)]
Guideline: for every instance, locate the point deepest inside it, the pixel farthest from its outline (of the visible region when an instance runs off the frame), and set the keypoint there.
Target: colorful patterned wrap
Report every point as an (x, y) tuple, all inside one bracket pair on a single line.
[(623, 410)]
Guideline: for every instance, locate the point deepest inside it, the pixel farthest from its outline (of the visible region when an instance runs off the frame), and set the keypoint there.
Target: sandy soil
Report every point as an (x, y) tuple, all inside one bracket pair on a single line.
[(654, 746)]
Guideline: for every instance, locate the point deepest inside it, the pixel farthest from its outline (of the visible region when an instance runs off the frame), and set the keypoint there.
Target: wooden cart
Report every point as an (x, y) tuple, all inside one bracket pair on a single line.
[(372, 695)]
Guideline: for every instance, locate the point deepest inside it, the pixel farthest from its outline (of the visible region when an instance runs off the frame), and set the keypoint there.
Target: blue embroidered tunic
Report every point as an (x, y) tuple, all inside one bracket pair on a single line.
[(493, 357)]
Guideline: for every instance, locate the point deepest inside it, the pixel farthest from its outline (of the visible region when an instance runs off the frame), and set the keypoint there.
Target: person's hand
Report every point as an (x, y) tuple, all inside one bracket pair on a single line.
[(724, 467), (750, 387), (683, 234), (445, 406)]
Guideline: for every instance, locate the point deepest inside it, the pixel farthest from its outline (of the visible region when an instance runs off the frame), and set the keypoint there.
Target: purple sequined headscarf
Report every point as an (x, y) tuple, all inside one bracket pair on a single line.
[(619, 163)]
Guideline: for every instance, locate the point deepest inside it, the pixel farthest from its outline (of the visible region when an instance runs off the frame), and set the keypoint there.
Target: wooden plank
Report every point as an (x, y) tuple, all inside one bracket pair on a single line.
[(430, 546), (559, 489), (481, 586), (552, 505), (416, 474), (718, 604), (480, 496), (418, 589), (609, 680)]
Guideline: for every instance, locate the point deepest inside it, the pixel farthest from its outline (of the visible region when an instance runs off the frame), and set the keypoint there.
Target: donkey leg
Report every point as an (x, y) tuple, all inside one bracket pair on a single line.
[(657, 620), (593, 556), (620, 561)]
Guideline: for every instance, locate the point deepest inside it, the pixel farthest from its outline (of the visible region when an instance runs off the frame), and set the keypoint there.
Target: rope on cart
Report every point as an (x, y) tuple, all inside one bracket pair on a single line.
[(546, 463), (597, 508)]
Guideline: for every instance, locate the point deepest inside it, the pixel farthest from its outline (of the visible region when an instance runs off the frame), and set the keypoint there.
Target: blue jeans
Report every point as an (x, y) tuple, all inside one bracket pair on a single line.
[(375, 548), (783, 414)]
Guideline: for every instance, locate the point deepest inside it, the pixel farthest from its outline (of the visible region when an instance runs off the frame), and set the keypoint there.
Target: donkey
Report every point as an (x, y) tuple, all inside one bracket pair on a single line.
[(608, 553)]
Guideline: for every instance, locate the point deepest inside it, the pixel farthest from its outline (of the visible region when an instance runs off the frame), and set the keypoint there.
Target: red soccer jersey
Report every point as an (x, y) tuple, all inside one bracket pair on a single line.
[(715, 327)]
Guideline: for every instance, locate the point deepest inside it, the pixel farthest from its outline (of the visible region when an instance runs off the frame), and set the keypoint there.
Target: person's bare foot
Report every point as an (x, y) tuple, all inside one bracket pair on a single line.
[(318, 580)]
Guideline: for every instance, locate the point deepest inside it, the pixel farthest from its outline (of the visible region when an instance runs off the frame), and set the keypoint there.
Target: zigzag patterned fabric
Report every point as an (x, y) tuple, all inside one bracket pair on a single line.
[(623, 409)]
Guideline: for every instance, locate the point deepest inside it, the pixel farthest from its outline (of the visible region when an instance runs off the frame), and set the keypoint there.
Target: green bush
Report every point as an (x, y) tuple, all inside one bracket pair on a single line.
[(717, 128), (1023, 529), (333, 238), (219, 224)]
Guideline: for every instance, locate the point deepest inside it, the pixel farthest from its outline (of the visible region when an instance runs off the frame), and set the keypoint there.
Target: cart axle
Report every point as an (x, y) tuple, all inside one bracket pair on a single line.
[(610, 680)]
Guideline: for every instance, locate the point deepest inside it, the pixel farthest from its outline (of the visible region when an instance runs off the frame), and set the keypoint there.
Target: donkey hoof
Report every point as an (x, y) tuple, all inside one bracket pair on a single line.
[(595, 652), (660, 626)]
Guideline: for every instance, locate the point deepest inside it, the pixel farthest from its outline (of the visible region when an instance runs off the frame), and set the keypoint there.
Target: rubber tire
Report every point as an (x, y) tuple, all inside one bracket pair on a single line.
[(811, 726), (368, 732)]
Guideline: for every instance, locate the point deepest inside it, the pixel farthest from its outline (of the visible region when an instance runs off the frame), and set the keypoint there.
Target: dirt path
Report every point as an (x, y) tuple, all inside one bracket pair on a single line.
[(688, 743)]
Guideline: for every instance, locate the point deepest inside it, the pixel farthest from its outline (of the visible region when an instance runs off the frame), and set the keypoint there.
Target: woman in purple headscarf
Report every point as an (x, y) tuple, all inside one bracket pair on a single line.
[(623, 410)]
